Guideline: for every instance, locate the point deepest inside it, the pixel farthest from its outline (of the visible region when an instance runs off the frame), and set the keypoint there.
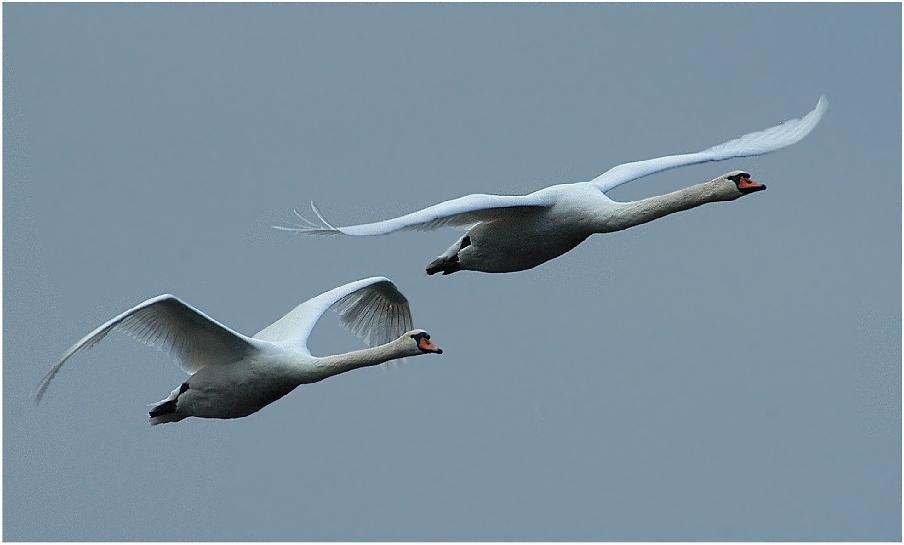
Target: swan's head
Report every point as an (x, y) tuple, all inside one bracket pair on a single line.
[(417, 341), (742, 182)]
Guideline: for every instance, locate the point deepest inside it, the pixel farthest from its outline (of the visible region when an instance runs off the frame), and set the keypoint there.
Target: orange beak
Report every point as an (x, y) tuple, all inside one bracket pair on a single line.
[(427, 345), (747, 185)]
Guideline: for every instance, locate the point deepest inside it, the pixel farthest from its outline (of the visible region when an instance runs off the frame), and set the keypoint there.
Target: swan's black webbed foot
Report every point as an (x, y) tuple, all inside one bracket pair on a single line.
[(168, 407), (446, 265)]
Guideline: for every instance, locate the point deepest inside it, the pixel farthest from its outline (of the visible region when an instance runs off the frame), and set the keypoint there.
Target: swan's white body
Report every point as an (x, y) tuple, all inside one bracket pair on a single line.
[(513, 233), (233, 375)]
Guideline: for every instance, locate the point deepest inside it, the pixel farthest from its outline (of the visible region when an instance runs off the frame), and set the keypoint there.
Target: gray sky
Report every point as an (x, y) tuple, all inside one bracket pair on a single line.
[(728, 373)]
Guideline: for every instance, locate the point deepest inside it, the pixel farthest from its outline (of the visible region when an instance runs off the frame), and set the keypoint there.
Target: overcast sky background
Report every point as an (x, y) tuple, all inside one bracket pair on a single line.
[(728, 373)]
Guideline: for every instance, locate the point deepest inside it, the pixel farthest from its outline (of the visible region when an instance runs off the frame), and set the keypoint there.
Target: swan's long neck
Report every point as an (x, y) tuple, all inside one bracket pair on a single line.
[(329, 366), (643, 211)]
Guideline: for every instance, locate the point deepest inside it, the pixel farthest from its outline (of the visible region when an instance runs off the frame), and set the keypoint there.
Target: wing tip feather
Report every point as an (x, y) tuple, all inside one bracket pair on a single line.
[(309, 227)]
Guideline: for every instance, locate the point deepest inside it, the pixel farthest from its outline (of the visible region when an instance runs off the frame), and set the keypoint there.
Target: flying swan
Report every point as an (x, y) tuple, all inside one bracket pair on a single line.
[(233, 375), (514, 233)]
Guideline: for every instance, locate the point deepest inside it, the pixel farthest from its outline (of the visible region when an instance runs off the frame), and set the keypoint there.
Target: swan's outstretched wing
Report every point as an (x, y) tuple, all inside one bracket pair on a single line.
[(189, 336), (461, 212), (755, 143), (372, 309)]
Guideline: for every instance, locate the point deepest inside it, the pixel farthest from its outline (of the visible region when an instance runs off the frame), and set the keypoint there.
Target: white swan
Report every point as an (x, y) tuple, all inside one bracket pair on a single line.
[(233, 375), (514, 233)]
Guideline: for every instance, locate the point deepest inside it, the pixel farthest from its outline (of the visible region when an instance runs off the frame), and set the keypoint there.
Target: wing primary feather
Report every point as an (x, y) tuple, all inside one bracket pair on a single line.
[(365, 308), (748, 145), (373, 315), (320, 216), (461, 212), (304, 219), (325, 228), (188, 336)]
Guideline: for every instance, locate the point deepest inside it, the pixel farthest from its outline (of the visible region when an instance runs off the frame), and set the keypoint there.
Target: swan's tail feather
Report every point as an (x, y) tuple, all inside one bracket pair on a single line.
[(309, 227)]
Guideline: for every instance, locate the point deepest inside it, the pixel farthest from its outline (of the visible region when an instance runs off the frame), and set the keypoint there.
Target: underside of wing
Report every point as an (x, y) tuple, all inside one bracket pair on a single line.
[(755, 143), (461, 212), (377, 314), (372, 309), (191, 338)]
